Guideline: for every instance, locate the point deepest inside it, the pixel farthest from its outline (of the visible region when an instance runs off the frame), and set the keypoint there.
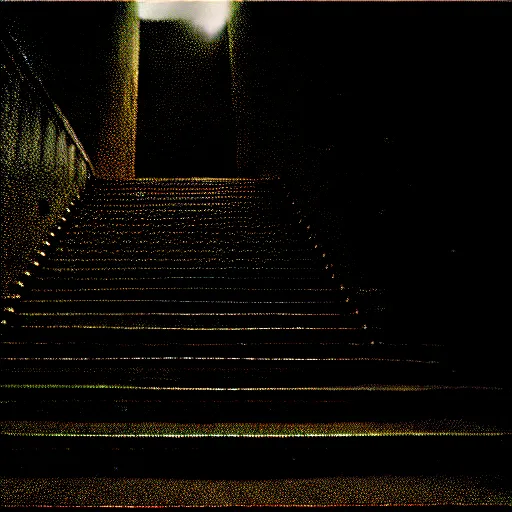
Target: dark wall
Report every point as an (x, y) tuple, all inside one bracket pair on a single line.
[(86, 56), (270, 65), (389, 123), (185, 122)]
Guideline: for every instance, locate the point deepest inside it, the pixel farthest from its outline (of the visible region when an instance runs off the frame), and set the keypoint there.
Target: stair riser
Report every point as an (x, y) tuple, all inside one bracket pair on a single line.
[(101, 297), (109, 336), (249, 458), (208, 273), (218, 252), (128, 406), (152, 306), (299, 284), (237, 375), (30, 344)]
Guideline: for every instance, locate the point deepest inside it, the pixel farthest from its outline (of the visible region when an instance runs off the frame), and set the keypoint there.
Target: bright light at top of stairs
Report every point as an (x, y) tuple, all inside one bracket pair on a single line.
[(207, 16)]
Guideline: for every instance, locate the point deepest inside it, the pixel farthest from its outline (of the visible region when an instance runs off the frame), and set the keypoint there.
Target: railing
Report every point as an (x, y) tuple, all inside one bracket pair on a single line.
[(323, 226), (43, 166), (17, 61)]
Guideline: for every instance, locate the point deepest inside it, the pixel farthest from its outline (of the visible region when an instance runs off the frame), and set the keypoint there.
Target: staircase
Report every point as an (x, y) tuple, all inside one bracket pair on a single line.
[(185, 343)]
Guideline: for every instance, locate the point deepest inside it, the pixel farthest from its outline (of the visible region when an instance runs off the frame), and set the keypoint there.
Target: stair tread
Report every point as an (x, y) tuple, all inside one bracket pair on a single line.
[(388, 490), (270, 430)]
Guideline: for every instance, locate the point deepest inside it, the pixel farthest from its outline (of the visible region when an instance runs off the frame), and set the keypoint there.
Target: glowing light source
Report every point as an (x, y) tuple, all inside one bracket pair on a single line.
[(208, 17)]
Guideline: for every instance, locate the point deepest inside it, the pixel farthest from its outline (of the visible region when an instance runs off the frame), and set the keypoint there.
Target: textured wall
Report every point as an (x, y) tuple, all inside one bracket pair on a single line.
[(41, 169), (89, 65), (115, 154)]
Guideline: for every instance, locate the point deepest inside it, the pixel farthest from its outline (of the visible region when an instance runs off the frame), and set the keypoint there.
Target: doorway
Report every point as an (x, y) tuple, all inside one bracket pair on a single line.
[(185, 124)]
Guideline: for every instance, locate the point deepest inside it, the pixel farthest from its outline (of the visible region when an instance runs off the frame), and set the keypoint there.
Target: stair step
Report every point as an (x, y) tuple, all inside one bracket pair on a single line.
[(205, 282), (178, 219), (29, 345), (178, 242), (231, 199), (219, 252), (160, 264), (171, 229), (167, 224), (185, 180), (178, 306), (224, 372), (176, 323), (228, 291), (200, 334), (174, 319), (239, 450), (183, 237), (290, 404), (190, 262), (190, 212), (184, 206), (350, 492), (445, 428), (70, 272)]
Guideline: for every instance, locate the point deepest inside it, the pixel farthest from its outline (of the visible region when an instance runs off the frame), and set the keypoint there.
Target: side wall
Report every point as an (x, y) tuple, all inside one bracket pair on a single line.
[(389, 123), (42, 168), (115, 151), (89, 65), (267, 89)]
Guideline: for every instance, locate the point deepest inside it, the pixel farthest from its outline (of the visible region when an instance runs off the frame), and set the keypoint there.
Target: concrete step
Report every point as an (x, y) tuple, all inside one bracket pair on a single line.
[(285, 403), (243, 450)]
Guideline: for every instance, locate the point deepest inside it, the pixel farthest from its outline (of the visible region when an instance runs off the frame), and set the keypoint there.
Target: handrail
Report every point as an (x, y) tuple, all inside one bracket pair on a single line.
[(44, 166), (18, 59)]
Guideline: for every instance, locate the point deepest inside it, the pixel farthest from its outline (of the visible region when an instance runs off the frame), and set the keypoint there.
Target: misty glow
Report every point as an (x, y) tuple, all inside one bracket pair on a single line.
[(209, 17)]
